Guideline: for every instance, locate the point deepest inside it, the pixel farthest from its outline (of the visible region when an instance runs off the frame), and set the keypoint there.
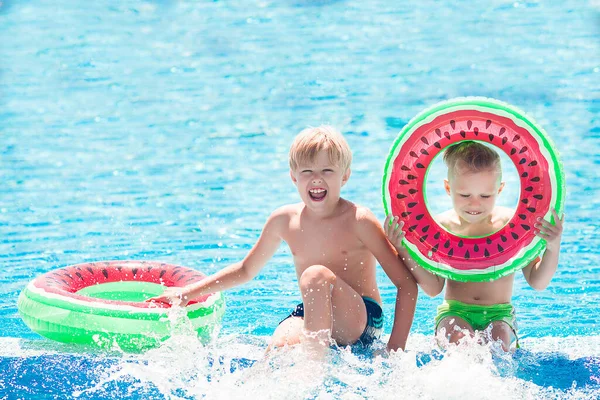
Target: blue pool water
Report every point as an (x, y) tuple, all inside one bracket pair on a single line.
[(159, 130)]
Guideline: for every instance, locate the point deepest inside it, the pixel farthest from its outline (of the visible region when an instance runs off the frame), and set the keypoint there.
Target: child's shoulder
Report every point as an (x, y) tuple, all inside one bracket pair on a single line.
[(287, 210), (502, 215), (447, 218), (363, 215)]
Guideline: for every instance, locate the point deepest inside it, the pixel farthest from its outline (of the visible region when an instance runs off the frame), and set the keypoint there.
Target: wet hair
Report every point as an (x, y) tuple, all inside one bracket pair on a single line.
[(311, 141), (473, 156)]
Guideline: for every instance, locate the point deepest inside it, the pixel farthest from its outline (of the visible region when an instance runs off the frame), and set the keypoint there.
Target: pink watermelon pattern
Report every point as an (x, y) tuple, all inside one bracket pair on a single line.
[(470, 258), (68, 280)]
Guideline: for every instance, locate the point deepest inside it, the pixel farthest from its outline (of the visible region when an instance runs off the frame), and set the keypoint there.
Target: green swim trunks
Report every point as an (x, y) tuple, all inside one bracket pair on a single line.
[(478, 316)]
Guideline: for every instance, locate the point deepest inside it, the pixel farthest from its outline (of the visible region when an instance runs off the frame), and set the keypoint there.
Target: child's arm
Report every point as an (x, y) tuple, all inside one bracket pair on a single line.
[(539, 273), (235, 274), (372, 235), (431, 284)]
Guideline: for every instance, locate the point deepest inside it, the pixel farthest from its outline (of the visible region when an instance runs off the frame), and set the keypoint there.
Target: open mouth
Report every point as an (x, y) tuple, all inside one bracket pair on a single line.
[(317, 194), (473, 212)]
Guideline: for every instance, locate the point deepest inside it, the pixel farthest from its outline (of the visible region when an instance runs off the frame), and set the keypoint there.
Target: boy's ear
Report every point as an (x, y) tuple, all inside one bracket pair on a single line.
[(346, 176), (447, 186), (501, 187), (293, 177)]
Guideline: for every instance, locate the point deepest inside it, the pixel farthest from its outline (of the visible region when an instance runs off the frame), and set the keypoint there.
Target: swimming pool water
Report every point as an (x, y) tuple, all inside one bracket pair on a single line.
[(159, 130)]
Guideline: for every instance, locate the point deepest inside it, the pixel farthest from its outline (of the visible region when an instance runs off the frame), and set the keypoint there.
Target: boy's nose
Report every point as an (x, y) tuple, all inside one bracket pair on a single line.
[(316, 180)]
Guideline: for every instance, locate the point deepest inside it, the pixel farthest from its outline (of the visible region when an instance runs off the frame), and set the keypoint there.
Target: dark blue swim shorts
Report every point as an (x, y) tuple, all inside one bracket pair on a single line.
[(374, 321)]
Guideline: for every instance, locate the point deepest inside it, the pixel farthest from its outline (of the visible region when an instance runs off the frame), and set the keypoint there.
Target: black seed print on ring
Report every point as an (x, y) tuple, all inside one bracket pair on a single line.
[(538, 196), (412, 228), (435, 248), (405, 214), (476, 248), (404, 168), (447, 135), (514, 235), (516, 137), (423, 151), (418, 217), (413, 154), (532, 164), (105, 273), (500, 248), (526, 227), (504, 140), (535, 179), (400, 195), (486, 253), (504, 239), (424, 140), (522, 161), (423, 238), (502, 130), (469, 123), (436, 236), (460, 243), (488, 241), (525, 201), (487, 123), (476, 131), (411, 177), (523, 150), (447, 244), (523, 216), (451, 252), (491, 137), (403, 182), (524, 174), (467, 255), (411, 205), (412, 191), (463, 134), (529, 189), (419, 165), (453, 124), (531, 209), (438, 132), (425, 228), (437, 145)]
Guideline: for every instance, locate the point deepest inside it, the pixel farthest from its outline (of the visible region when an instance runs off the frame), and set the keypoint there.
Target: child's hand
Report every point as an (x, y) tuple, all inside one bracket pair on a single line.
[(172, 295), (393, 231), (551, 233)]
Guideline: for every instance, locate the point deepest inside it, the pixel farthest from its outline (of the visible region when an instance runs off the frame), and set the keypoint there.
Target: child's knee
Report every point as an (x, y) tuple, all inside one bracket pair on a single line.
[(316, 276)]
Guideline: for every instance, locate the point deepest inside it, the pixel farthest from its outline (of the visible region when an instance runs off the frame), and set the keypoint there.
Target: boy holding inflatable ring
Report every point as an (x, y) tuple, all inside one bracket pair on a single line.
[(474, 183), (335, 244)]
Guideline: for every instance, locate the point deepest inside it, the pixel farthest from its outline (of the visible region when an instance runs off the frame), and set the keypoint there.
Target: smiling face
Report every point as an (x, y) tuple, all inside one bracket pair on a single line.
[(474, 193), (319, 182)]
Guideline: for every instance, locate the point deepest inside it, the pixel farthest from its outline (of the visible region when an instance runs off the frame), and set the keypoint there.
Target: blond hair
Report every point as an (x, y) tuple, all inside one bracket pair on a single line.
[(311, 141), (473, 156)]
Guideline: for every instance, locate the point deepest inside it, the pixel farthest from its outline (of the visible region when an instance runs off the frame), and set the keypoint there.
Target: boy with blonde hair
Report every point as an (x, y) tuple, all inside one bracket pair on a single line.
[(335, 244), (474, 183)]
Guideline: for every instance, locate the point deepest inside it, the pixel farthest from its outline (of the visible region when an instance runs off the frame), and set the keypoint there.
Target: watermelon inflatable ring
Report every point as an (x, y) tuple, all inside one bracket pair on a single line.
[(102, 303), (490, 121)]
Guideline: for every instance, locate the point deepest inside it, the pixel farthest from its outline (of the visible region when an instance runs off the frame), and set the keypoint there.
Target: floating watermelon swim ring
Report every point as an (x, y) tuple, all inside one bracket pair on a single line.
[(496, 123), (102, 303)]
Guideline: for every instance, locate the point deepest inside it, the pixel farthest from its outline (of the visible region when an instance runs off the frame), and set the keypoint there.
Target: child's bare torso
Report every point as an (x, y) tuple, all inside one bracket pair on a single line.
[(332, 242), (485, 293)]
